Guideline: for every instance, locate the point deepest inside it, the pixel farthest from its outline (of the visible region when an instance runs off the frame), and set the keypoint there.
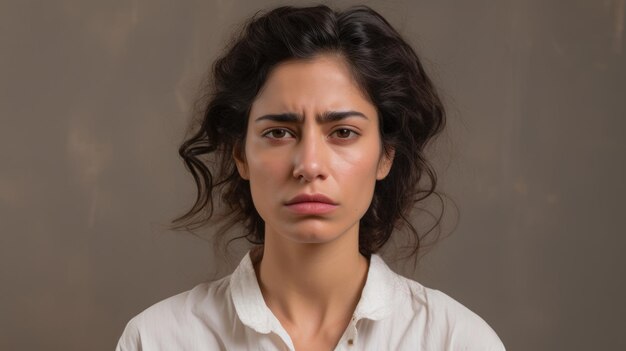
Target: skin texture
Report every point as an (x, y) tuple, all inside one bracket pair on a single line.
[(311, 272)]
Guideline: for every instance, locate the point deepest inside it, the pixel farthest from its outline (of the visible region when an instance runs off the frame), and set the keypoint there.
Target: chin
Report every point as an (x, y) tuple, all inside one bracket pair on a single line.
[(311, 237), (313, 234)]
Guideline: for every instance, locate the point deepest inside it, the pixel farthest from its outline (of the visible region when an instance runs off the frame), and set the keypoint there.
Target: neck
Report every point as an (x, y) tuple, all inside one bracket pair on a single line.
[(316, 283)]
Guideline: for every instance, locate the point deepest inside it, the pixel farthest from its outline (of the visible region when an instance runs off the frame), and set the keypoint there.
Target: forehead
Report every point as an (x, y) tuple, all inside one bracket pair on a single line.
[(314, 85)]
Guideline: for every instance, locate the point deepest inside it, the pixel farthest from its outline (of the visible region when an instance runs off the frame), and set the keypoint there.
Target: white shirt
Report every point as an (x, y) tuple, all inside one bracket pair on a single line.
[(393, 313)]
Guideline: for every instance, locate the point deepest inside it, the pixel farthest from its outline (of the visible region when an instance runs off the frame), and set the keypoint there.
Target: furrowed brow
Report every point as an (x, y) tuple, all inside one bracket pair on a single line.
[(281, 117), (326, 117), (334, 116)]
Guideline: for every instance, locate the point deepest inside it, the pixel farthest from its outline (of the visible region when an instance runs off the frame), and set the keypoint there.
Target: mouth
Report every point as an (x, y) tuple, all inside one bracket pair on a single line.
[(311, 204), (319, 198)]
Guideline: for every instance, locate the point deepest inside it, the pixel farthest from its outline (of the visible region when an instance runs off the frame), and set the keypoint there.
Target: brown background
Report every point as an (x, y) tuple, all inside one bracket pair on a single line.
[(95, 98)]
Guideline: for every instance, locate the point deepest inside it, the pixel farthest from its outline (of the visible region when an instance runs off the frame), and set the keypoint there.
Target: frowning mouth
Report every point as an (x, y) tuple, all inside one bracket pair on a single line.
[(311, 198), (311, 204)]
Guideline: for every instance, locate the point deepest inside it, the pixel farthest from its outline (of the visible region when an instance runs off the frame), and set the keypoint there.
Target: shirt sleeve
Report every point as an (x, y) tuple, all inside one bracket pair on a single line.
[(130, 339), (458, 328)]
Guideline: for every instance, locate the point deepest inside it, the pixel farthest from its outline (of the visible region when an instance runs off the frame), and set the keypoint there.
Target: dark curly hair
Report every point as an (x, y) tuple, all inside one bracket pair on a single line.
[(385, 67)]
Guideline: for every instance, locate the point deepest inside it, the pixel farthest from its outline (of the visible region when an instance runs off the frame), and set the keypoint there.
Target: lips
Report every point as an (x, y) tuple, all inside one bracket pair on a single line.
[(311, 198), (311, 204)]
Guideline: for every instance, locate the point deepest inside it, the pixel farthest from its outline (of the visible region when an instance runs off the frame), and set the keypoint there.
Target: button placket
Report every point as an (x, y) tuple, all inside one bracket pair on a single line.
[(352, 332)]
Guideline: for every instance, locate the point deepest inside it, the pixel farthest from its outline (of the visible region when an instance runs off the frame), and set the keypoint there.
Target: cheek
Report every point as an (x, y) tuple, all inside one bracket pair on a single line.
[(264, 184), (266, 172), (355, 171), (359, 162)]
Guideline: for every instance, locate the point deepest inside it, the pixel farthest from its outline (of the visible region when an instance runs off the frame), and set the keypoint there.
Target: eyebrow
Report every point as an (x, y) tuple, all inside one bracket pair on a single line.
[(326, 117)]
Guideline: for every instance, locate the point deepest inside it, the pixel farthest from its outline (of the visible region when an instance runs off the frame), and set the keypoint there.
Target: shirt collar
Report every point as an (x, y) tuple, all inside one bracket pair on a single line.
[(376, 300), (375, 303), (248, 300)]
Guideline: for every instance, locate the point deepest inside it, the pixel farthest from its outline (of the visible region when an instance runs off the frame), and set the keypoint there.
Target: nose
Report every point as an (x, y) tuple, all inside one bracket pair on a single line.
[(310, 158)]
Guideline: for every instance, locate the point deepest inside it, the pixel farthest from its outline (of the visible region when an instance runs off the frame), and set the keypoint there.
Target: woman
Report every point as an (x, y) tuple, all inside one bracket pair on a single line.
[(314, 132)]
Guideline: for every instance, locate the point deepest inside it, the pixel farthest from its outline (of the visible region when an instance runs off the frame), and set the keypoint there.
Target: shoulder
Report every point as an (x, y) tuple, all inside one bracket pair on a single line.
[(449, 324), (167, 321)]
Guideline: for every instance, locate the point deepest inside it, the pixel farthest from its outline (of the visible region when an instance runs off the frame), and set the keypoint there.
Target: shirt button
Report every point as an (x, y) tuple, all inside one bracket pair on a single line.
[(350, 342)]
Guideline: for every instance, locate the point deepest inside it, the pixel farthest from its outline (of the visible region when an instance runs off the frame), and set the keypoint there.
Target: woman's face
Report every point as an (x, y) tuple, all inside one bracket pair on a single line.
[(312, 151)]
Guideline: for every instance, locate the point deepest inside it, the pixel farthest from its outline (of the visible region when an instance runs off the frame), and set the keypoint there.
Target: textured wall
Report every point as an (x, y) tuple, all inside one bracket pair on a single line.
[(95, 98)]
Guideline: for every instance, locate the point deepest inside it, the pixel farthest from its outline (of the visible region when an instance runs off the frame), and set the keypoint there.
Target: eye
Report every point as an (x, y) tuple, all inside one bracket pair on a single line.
[(345, 133), (277, 133)]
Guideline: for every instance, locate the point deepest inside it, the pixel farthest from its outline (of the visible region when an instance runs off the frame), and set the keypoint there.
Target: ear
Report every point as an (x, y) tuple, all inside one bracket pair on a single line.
[(384, 164), (242, 166)]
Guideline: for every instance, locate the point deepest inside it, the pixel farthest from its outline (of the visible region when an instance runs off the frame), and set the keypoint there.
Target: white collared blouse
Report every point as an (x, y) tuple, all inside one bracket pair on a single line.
[(393, 313)]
